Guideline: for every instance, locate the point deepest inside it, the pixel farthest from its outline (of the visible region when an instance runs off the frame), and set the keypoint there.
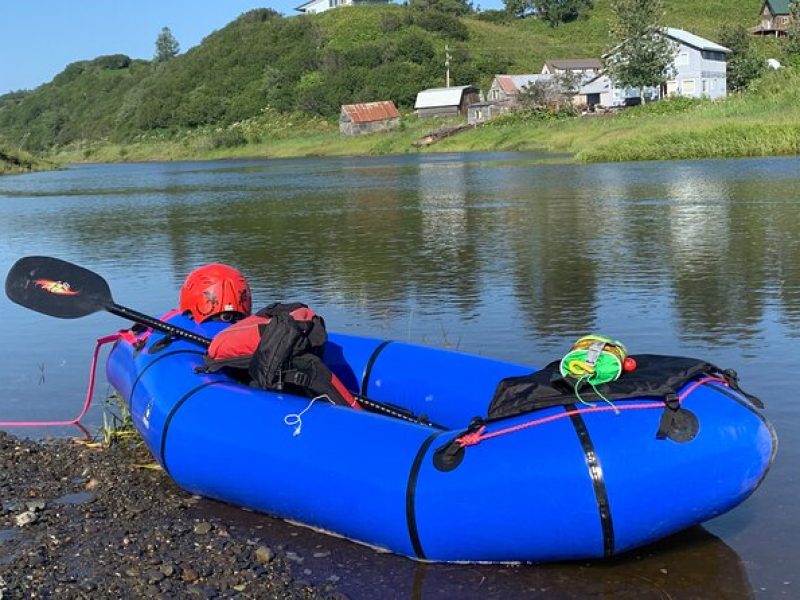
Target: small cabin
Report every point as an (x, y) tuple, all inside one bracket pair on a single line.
[(444, 102), (368, 117), (774, 18)]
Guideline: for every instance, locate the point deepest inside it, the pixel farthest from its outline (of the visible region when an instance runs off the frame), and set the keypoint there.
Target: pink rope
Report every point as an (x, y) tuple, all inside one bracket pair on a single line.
[(89, 393), (476, 437)]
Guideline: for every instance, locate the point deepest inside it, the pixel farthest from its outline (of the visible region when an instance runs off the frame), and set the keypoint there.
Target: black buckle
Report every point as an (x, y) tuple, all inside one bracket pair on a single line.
[(297, 378)]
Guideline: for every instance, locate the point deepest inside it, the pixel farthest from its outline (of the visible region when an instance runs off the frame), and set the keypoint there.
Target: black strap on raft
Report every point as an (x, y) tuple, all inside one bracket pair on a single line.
[(732, 377)]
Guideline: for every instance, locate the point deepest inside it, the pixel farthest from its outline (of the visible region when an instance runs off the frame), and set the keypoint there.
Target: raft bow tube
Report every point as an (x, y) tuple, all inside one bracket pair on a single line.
[(589, 484)]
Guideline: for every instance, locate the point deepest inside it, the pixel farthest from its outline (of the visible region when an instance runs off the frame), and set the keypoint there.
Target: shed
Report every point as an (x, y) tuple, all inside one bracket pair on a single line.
[(449, 101), (480, 112), (367, 117), (595, 92)]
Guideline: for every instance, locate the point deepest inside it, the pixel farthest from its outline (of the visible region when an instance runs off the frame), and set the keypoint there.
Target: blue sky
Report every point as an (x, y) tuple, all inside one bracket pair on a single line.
[(38, 38)]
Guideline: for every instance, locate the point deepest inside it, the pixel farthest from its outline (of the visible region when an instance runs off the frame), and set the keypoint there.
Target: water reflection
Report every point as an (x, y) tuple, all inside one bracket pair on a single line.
[(557, 239), (497, 254), (692, 564)]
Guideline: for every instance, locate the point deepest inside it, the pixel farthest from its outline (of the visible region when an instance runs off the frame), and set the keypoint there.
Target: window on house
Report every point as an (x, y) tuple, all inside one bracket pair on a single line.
[(672, 88), (682, 59), (706, 86), (687, 87)]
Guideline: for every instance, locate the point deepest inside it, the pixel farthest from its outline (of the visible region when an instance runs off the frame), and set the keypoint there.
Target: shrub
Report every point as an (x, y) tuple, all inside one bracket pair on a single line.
[(442, 23), (112, 61)]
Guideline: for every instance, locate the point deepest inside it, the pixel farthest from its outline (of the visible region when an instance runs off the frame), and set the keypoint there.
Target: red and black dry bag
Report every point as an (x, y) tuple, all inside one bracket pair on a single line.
[(280, 347)]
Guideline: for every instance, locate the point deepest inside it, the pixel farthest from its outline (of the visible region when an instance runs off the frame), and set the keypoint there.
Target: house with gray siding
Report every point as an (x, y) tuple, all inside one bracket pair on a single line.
[(448, 101), (699, 66), (506, 88), (698, 70)]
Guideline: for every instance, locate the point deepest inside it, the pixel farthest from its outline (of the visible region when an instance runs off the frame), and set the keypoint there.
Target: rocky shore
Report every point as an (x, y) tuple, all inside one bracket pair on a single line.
[(77, 521)]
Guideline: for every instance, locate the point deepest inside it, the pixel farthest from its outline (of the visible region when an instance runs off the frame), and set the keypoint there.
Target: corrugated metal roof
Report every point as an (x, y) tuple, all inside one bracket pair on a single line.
[(690, 39), (438, 97), (598, 85), (779, 7), (511, 84), (575, 63), (366, 112)]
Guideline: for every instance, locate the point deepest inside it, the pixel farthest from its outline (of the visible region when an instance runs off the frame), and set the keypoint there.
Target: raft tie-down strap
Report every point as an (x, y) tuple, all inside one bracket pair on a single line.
[(89, 392), (472, 438)]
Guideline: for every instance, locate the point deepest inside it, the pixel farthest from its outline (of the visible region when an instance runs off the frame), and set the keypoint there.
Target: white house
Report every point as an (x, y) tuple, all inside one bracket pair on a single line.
[(317, 6)]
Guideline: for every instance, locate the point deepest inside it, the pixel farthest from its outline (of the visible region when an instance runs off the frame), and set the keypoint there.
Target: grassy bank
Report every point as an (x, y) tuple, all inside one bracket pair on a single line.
[(12, 161), (762, 122)]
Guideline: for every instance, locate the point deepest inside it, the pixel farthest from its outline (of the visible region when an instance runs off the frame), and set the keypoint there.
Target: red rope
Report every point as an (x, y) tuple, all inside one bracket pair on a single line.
[(89, 393), (476, 437)]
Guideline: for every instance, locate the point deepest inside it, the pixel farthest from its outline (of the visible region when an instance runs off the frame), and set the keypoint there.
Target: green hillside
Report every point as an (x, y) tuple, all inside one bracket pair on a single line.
[(262, 65)]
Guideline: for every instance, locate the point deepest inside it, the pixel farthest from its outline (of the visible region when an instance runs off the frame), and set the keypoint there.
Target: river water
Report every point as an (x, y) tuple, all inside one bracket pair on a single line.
[(507, 255)]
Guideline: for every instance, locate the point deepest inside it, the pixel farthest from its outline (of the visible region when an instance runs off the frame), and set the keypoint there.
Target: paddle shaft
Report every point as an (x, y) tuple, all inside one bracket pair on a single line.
[(136, 316)]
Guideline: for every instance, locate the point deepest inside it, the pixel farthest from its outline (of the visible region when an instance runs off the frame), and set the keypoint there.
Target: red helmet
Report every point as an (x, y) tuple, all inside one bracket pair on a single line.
[(213, 290)]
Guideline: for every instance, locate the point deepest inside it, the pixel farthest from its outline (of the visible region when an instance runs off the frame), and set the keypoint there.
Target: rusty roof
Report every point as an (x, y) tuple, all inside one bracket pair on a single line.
[(366, 112), (511, 84)]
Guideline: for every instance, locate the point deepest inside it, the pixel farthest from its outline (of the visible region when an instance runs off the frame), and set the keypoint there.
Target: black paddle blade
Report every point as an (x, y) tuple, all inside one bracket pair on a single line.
[(57, 288)]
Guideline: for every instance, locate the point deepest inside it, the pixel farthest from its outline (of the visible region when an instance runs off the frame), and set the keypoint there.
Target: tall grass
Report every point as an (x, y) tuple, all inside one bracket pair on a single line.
[(13, 161)]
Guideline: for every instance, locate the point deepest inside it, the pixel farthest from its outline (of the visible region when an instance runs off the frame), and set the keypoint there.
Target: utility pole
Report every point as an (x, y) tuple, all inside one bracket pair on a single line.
[(447, 64), (22, 143)]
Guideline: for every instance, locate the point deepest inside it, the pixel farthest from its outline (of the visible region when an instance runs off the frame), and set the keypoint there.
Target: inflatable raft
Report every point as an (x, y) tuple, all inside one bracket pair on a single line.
[(565, 482)]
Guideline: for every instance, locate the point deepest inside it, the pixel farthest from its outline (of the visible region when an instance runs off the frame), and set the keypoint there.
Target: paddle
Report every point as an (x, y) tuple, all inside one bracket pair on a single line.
[(61, 289)]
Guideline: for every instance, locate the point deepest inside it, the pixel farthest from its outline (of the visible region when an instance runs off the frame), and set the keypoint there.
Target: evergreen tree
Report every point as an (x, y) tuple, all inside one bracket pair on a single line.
[(642, 55), (167, 46)]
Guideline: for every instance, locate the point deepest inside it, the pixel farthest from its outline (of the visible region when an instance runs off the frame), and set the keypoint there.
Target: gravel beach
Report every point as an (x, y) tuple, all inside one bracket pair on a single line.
[(83, 522)]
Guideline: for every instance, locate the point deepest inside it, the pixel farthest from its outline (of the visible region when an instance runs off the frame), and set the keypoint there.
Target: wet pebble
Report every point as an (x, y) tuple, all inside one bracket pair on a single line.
[(90, 521), (202, 528), (25, 518)]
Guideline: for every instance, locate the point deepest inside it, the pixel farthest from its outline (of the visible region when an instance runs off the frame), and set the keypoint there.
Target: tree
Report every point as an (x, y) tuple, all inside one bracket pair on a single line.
[(792, 43), (457, 8), (744, 63), (167, 46), (556, 12), (642, 55)]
